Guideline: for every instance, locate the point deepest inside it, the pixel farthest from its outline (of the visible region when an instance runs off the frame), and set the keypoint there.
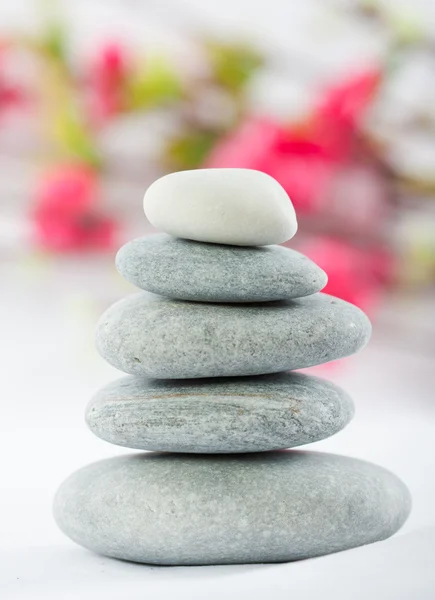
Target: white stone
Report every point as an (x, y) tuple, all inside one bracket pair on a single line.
[(240, 207)]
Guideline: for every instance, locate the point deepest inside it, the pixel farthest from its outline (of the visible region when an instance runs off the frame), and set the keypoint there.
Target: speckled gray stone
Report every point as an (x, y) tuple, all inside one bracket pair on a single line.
[(180, 509), (189, 270), (149, 335), (236, 414)]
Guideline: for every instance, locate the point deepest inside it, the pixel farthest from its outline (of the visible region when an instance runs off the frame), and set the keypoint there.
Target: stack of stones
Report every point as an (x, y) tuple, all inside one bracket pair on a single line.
[(212, 392)]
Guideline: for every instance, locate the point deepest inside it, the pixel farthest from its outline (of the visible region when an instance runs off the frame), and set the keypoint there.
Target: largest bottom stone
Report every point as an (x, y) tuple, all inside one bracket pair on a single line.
[(195, 510)]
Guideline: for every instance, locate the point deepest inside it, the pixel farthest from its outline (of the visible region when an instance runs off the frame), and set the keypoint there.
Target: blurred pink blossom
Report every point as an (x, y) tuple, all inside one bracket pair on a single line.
[(10, 95), (306, 157), (106, 79), (354, 274), (64, 215)]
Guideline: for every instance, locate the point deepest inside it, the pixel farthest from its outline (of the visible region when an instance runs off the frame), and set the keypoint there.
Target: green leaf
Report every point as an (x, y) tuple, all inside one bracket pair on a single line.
[(75, 139), (155, 84), (407, 27), (53, 41), (189, 151), (54, 35), (233, 65)]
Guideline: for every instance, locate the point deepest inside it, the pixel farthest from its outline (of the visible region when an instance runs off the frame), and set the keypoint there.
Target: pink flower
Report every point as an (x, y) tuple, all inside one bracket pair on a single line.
[(64, 216), (346, 103), (106, 80), (354, 274), (340, 112), (315, 162), (306, 178), (10, 95), (298, 163), (247, 147), (305, 158)]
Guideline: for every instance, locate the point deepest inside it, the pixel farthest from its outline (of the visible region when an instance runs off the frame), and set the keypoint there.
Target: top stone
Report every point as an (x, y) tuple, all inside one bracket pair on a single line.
[(240, 207)]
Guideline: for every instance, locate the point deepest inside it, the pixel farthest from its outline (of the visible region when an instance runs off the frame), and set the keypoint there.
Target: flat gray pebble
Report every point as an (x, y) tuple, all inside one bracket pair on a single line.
[(236, 414), (149, 335), (181, 509), (188, 270)]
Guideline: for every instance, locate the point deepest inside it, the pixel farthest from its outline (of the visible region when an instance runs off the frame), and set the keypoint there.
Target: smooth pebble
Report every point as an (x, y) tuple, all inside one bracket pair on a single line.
[(236, 414), (241, 207), (188, 270), (144, 334), (180, 509)]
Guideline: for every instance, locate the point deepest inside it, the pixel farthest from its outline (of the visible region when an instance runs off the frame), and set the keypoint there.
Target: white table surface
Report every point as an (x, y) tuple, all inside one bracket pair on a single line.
[(50, 370)]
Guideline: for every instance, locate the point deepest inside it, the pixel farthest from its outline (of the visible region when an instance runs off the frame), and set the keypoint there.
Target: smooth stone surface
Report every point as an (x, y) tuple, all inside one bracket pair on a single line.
[(179, 509), (241, 207), (236, 414), (149, 335), (188, 270)]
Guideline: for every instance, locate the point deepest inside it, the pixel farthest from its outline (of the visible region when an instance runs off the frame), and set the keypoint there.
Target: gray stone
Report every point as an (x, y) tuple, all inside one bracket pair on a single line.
[(189, 270), (149, 335), (185, 509), (237, 414)]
